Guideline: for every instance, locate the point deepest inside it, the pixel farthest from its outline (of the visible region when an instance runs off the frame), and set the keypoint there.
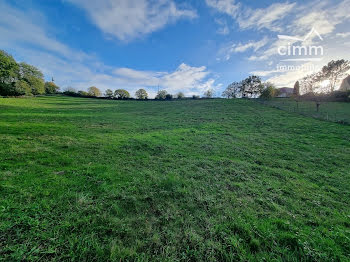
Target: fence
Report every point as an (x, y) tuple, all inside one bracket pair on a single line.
[(330, 111)]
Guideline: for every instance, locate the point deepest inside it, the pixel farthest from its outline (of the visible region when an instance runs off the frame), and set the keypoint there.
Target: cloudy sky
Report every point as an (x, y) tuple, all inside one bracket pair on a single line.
[(187, 46)]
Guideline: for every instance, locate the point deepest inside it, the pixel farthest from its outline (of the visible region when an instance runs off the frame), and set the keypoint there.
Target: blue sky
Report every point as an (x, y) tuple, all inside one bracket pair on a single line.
[(187, 46)]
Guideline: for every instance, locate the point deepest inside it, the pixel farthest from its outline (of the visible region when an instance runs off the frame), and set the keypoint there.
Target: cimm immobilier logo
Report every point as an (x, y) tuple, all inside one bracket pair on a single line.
[(297, 49)]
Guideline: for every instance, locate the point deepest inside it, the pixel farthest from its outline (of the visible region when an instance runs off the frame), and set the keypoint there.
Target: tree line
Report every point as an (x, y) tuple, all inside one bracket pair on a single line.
[(18, 79), (253, 87), (122, 94)]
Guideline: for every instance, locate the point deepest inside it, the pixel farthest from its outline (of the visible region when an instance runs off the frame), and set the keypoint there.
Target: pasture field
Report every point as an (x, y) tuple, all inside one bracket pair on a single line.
[(190, 180), (329, 111)]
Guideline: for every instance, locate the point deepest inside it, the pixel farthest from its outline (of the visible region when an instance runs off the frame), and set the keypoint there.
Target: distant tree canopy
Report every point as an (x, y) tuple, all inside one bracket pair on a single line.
[(94, 91), (269, 91), (180, 95), (18, 79), (51, 88), (121, 94), (249, 87), (141, 94), (325, 80), (209, 93), (109, 93), (161, 95)]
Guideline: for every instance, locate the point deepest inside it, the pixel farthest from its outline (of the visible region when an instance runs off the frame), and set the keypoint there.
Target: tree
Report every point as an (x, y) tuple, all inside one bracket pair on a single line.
[(94, 91), (308, 83), (9, 73), (209, 93), (121, 94), (83, 93), (296, 90), (161, 95), (33, 76), (21, 88), (269, 91), (233, 90), (141, 94), (335, 71), (169, 97), (251, 86), (180, 95), (109, 93), (51, 88)]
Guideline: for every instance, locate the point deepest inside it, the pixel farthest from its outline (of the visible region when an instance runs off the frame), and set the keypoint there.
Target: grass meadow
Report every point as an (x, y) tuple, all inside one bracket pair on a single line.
[(191, 180), (330, 111)]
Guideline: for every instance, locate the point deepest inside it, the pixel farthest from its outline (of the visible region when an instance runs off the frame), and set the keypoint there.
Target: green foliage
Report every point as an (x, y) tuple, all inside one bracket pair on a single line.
[(51, 88), (180, 95), (121, 94), (34, 77), (141, 94), (109, 93), (269, 91), (161, 95), (191, 180), (169, 97), (22, 88), (94, 91), (195, 97), (9, 73), (83, 93)]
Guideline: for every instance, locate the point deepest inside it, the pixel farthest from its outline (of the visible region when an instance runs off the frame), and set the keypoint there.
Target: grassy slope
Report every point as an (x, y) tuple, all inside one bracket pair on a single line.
[(86, 179)]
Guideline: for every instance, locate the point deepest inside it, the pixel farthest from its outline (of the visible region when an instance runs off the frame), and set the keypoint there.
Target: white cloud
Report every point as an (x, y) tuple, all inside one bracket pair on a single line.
[(129, 19), (343, 35), (233, 48), (24, 27), (27, 39), (224, 6), (270, 17), (248, 18), (187, 79)]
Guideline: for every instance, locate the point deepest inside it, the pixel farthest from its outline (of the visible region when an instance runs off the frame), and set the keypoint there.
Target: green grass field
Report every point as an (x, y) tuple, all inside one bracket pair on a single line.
[(330, 111), (193, 180)]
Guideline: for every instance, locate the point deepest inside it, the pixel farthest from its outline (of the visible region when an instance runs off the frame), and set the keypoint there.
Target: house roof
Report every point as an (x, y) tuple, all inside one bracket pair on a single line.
[(287, 90)]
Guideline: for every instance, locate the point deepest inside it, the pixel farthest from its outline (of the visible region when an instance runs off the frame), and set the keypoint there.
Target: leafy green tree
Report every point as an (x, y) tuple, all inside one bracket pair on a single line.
[(180, 95), (51, 88), (9, 73), (169, 97), (269, 91), (109, 93), (121, 94), (161, 95), (33, 76), (83, 93), (94, 91), (22, 88), (141, 94)]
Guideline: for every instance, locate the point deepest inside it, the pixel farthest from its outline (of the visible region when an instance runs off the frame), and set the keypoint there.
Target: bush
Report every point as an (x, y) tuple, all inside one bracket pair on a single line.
[(195, 97), (169, 97)]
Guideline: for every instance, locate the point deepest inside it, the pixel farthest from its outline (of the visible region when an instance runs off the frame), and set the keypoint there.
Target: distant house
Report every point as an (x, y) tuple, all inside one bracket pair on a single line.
[(285, 92), (345, 85)]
